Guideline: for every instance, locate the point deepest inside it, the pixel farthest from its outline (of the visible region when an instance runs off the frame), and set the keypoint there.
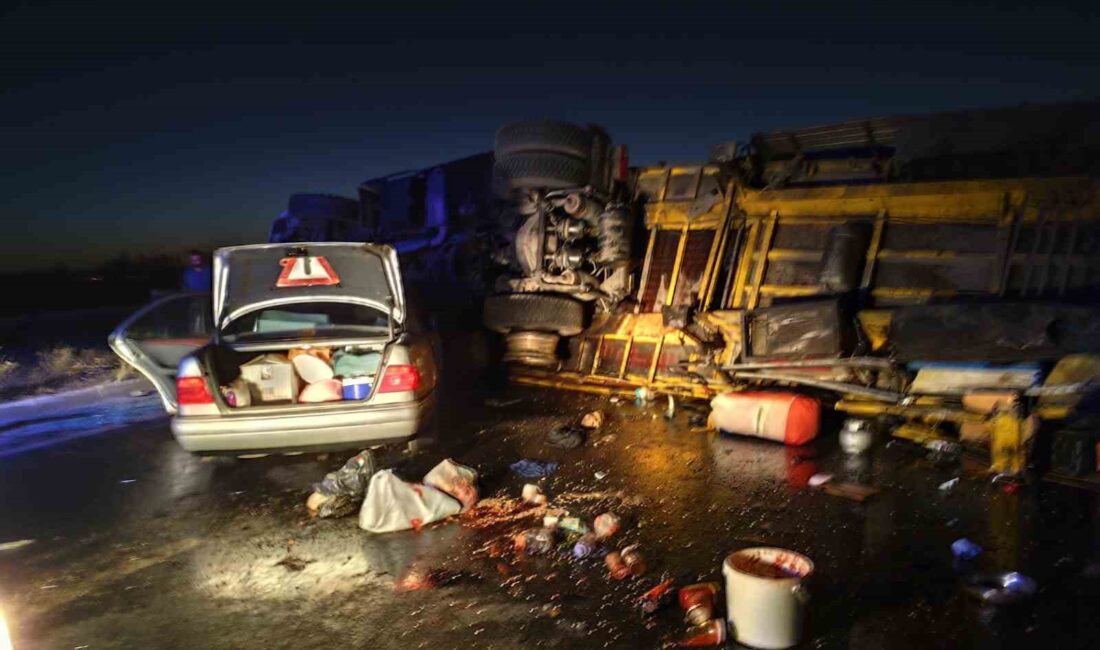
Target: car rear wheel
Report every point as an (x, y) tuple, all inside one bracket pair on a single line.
[(534, 312)]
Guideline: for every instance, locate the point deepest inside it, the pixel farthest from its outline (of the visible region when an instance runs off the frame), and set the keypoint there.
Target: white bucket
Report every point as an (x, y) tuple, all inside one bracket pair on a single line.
[(766, 612)]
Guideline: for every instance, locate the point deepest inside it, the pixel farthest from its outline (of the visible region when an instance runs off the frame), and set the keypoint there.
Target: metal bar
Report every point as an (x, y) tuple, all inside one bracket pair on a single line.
[(626, 356), (656, 357), (789, 290), (745, 262), (762, 263), (712, 264), (676, 266), (840, 387), (646, 264), (919, 254), (794, 255), (849, 362), (596, 357), (732, 264), (911, 292), (872, 250)]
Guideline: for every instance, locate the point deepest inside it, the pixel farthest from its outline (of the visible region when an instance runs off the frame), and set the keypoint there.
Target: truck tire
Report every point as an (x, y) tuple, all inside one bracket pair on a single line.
[(543, 135), (534, 312), (548, 171)]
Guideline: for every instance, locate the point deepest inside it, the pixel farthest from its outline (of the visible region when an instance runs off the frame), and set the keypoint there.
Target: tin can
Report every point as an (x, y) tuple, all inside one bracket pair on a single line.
[(657, 597), (697, 601), (606, 525), (615, 566), (709, 634), (633, 559)]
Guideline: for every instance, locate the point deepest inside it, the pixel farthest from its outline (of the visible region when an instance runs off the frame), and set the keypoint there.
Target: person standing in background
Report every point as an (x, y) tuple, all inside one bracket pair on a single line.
[(197, 276)]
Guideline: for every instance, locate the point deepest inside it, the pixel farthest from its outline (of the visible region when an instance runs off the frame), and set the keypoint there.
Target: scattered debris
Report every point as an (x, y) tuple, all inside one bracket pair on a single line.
[(643, 395), (15, 545), (573, 525), (456, 480), (592, 420), (633, 560), (567, 436), (697, 420), (965, 549), (500, 510), (339, 493), (616, 568), (670, 408), (852, 491), (532, 493), (585, 546), (856, 436), (534, 541), (943, 452), (1001, 589), (697, 601), (819, 479), (947, 486), (392, 504), (615, 399), (791, 418), (606, 440), (528, 468), (709, 634), (606, 525), (766, 579), (657, 597), (601, 475)]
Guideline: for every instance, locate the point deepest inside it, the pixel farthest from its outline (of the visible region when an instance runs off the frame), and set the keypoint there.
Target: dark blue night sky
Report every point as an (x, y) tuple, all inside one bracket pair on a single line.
[(150, 127)]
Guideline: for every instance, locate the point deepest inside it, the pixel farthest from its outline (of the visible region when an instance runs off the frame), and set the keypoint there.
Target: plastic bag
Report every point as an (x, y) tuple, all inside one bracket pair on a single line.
[(393, 504), (339, 492), (456, 480)]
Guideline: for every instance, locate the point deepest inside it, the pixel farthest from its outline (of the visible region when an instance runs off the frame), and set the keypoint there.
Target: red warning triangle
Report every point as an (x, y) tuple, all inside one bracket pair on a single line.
[(306, 271)]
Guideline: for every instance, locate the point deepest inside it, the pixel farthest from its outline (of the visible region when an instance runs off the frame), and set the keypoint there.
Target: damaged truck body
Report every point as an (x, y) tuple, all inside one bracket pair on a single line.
[(897, 263)]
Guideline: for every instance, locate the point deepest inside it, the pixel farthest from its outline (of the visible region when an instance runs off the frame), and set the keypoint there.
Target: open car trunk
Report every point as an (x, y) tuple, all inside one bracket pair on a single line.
[(229, 370)]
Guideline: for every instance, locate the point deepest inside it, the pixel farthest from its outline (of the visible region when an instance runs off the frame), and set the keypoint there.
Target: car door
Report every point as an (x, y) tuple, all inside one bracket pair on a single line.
[(154, 339)]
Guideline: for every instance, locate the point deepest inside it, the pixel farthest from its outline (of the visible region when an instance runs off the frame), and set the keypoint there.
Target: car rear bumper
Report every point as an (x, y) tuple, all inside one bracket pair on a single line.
[(375, 425)]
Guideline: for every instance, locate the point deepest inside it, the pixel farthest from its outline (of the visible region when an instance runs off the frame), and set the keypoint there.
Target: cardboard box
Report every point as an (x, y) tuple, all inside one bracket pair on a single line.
[(271, 378)]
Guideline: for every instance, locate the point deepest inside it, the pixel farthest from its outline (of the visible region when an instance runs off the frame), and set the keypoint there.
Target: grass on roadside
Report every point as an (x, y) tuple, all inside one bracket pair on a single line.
[(60, 367)]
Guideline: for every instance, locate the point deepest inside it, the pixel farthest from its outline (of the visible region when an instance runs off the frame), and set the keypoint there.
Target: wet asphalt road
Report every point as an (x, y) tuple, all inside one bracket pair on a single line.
[(140, 545)]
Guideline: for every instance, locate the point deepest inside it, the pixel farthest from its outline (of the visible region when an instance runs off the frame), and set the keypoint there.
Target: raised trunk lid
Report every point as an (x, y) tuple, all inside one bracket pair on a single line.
[(247, 278)]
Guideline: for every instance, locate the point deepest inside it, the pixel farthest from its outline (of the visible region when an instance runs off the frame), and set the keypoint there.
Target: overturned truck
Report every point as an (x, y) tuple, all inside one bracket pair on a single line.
[(897, 263)]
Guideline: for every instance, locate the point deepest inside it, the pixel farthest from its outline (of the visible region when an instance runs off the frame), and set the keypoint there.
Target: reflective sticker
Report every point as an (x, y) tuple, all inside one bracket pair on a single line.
[(306, 271)]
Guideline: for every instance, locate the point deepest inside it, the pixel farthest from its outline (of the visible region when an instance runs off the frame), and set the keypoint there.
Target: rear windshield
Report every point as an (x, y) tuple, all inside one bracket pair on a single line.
[(312, 320)]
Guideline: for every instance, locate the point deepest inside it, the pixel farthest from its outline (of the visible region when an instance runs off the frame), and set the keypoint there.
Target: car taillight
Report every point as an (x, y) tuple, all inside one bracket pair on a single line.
[(399, 379), (192, 390)]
